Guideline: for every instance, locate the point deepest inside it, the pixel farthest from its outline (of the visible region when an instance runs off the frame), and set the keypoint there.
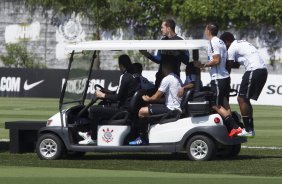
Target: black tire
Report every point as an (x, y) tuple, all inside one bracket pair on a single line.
[(200, 148), (49, 147)]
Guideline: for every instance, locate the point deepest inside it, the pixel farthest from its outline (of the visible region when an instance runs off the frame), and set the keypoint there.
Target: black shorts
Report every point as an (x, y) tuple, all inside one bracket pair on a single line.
[(221, 89), (253, 83), (155, 109)]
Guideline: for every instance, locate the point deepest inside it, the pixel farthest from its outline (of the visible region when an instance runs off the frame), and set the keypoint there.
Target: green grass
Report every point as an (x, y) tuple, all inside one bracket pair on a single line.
[(61, 176), (268, 125), (251, 166), (17, 109), (250, 162)]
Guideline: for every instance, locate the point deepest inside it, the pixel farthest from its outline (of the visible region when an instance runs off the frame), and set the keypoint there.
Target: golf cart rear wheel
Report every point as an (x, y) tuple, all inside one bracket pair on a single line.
[(200, 147), (49, 147)]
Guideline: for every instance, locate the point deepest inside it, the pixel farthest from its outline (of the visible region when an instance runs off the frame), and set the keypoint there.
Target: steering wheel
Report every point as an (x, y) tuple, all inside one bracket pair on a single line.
[(99, 87), (94, 99)]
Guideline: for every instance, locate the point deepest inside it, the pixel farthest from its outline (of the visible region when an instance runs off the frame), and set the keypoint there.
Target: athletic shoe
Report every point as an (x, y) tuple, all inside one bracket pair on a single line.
[(87, 141), (235, 132), (138, 141), (245, 133), (84, 135)]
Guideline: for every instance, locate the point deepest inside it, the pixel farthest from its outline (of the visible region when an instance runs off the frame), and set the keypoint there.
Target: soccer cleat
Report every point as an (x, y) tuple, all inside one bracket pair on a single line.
[(84, 135), (87, 141), (235, 131), (138, 141), (245, 133)]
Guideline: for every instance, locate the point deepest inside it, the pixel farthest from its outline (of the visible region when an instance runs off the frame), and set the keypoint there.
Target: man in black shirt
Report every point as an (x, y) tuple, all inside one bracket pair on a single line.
[(168, 32), (125, 91)]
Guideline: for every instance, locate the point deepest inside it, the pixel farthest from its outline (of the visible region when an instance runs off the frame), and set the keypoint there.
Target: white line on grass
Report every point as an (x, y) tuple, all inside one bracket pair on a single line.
[(4, 140), (262, 147)]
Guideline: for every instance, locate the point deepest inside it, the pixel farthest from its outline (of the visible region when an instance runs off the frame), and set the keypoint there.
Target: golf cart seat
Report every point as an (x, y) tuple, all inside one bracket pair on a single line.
[(131, 114), (175, 114)]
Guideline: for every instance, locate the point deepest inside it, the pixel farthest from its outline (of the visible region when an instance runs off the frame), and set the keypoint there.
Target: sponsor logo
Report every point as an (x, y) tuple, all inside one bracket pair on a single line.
[(274, 89), (112, 88), (108, 135), (22, 32), (71, 29), (32, 85), (78, 86), (10, 84), (92, 83)]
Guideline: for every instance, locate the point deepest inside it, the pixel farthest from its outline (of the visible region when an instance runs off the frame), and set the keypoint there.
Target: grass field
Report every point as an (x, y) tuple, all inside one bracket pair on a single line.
[(251, 166), (62, 176)]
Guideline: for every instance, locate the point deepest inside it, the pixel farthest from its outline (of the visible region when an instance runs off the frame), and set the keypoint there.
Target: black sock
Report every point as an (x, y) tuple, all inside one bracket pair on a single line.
[(249, 123), (230, 123)]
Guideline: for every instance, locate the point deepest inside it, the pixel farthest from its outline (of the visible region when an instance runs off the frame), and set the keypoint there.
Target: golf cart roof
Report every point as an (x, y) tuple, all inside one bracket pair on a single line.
[(138, 45)]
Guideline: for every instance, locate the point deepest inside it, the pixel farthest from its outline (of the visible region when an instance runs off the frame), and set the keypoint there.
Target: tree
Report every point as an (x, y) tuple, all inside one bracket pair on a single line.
[(238, 14), (251, 18), (146, 17), (18, 57)]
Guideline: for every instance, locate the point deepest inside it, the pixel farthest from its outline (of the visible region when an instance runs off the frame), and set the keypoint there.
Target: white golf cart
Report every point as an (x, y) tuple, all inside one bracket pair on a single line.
[(196, 131)]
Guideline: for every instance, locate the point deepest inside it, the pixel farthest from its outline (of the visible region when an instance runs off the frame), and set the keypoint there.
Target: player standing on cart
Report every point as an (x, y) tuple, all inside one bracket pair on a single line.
[(241, 52)]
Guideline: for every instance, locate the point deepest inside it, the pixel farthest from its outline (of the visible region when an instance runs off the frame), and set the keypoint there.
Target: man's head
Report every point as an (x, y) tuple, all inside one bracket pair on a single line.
[(168, 27), (227, 38), (137, 67), (211, 30), (168, 64), (125, 64)]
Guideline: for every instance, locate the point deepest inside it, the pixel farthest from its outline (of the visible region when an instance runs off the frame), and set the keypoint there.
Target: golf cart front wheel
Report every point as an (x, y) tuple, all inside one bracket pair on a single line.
[(49, 147), (200, 148)]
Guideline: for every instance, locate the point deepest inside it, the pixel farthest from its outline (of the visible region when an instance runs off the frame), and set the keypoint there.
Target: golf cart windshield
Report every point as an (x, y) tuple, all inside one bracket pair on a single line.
[(75, 85)]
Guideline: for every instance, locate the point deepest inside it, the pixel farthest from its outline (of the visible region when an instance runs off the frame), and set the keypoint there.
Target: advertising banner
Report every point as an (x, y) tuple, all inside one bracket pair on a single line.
[(47, 83)]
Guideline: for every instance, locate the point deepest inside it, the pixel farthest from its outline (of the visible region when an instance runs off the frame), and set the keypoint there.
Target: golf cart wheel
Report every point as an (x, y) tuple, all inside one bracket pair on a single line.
[(200, 148), (49, 147)]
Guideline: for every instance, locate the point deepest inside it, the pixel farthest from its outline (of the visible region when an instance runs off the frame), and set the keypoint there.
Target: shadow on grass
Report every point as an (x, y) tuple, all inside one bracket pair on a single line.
[(161, 157), (4, 146), (249, 157)]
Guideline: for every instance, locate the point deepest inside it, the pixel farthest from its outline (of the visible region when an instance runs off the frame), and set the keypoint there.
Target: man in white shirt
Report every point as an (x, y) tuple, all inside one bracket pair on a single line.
[(220, 80), (241, 52), (169, 88)]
